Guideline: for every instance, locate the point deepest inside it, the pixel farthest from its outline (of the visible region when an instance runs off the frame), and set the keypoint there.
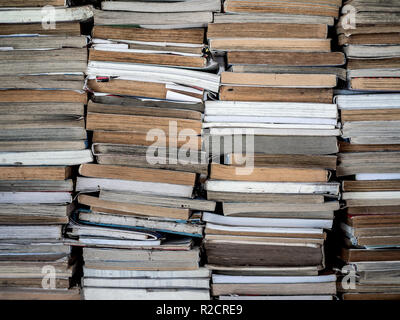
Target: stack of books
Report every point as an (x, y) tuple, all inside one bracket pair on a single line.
[(42, 136), (140, 213), (159, 56), (370, 169), (141, 227), (368, 162), (368, 33), (275, 127)]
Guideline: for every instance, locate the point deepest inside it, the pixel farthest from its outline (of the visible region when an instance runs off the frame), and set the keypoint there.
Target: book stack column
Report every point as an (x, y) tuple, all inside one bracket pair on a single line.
[(148, 73), (42, 138), (369, 159), (274, 130)]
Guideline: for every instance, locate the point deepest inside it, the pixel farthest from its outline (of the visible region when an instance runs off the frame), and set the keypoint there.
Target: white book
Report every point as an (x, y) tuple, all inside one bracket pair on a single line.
[(220, 278), (54, 158), (312, 231), (278, 132), (90, 293), (368, 101), (272, 187), (374, 73), (232, 119), (166, 189), (372, 51), (271, 109), (162, 7), (35, 197), (377, 176), (128, 220), (38, 15), (379, 195), (116, 242), (275, 298), (266, 222), (164, 283), (137, 72), (274, 126), (30, 232), (104, 273)]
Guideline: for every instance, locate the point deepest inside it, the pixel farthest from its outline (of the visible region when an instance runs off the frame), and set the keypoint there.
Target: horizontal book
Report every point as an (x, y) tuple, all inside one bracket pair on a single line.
[(321, 8), (62, 61), (340, 73), (266, 222), (265, 17), (173, 227), (371, 185), (270, 109), (35, 197), (368, 101), (150, 58), (90, 293), (63, 28), (163, 201), (168, 20), (42, 145), (370, 115), (325, 288), (234, 208), (271, 187), (136, 208), (116, 122), (279, 80), (44, 96), (372, 51), (264, 197), (184, 36), (42, 108), (221, 278), (124, 255), (37, 185), (155, 74), (30, 232), (161, 6), (273, 145), (283, 161), (367, 162), (163, 283), (278, 233), (56, 158), (167, 189), (265, 30), (42, 42), (257, 254), (37, 15), (271, 44), (44, 210), (35, 173), (222, 172), (180, 274), (33, 3), (159, 104), (137, 174), (260, 94), (376, 84)]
